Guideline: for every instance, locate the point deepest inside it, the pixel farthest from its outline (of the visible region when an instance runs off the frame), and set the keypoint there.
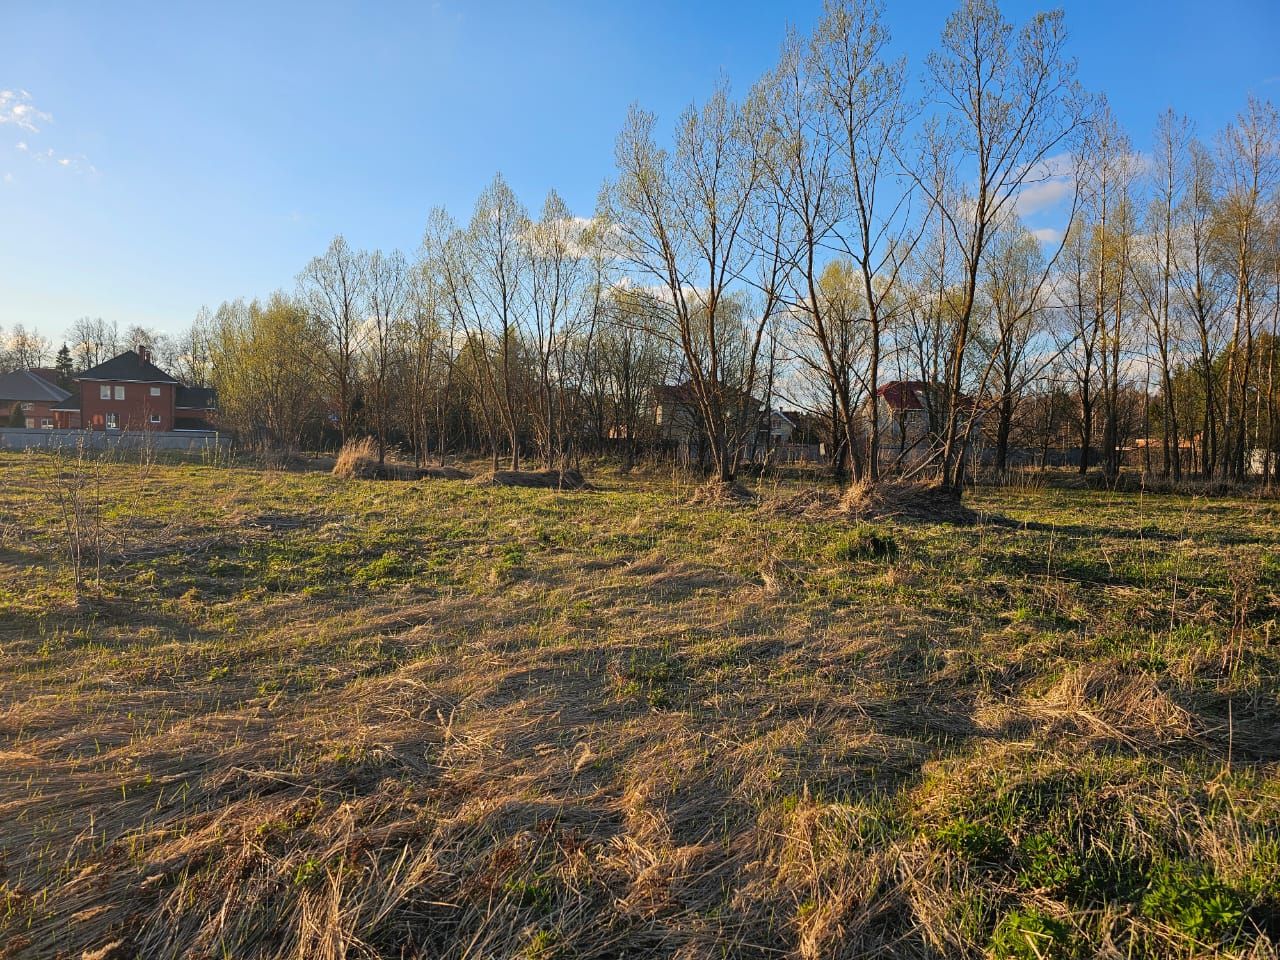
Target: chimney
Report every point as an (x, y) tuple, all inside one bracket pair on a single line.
[(144, 354)]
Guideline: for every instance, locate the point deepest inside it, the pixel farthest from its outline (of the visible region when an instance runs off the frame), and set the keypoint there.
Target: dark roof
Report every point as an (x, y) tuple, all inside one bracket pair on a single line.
[(195, 398), (71, 403), (29, 386), (684, 394), (128, 366)]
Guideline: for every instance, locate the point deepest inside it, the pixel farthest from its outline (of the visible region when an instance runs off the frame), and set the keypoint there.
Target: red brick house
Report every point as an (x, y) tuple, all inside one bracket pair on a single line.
[(129, 392), (30, 396)]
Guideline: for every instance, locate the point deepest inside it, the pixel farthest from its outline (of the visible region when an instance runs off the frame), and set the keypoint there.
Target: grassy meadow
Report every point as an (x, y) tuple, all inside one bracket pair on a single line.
[(292, 716)]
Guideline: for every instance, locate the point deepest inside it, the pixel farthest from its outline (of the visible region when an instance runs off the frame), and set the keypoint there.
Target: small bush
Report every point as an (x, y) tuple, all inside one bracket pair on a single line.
[(1032, 935), (1047, 863), (865, 542), (978, 842), (1194, 902)]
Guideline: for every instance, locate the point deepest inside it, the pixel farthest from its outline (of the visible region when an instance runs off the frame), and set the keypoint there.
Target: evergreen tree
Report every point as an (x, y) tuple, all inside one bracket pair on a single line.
[(64, 367)]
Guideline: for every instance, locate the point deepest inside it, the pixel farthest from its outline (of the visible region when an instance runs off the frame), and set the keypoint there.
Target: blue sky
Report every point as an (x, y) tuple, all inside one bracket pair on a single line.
[(155, 157)]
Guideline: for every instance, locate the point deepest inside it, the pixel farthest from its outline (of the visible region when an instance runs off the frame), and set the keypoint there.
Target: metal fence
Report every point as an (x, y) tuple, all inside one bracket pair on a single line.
[(176, 441)]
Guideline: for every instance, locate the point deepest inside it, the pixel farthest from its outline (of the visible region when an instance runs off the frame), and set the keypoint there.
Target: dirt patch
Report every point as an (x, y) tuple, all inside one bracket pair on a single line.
[(537, 479)]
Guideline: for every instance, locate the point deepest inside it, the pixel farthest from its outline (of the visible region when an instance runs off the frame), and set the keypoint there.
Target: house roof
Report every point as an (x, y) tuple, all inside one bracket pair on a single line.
[(129, 366), (914, 394), (195, 398), (72, 403), (28, 386), (683, 393), (904, 394)]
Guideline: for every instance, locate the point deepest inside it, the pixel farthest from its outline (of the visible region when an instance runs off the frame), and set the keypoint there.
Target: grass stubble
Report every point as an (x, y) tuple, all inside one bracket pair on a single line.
[(298, 715)]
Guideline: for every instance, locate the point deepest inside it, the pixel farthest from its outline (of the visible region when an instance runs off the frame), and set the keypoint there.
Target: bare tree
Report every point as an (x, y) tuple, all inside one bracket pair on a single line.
[(1250, 161), (1152, 269), (864, 96), (1200, 279), (93, 340), (27, 349), (1011, 105), (1013, 285), (387, 293), (558, 284), (683, 222), (489, 285), (333, 288), (430, 340), (1109, 173)]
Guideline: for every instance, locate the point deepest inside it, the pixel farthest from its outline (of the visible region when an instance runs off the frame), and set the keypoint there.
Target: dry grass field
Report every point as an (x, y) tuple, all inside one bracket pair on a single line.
[(294, 716)]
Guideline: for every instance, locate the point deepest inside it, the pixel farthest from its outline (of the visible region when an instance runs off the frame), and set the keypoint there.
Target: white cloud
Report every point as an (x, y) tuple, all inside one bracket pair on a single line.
[(1047, 235), (1046, 185), (79, 163), (1041, 196), (16, 108)]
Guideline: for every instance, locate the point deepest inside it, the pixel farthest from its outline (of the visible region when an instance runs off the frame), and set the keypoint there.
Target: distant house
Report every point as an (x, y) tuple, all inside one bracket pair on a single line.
[(679, 424), (129, 392), (31, 396), (910, 410)]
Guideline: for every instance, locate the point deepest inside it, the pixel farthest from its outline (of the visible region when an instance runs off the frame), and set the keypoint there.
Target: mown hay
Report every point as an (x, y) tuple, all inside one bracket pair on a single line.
[(716, 493), (358, 460), (906, 501), (879, 501)]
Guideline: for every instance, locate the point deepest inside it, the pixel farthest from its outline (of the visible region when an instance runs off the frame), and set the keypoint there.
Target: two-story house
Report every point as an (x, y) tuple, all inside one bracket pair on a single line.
[(129, 392), (679, 422)]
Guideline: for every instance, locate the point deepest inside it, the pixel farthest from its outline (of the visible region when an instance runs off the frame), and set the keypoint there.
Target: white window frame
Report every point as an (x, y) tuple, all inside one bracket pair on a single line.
[(104, 391), (112, 421), (155, 391), (155, 418), (119, 391), (46, 423)]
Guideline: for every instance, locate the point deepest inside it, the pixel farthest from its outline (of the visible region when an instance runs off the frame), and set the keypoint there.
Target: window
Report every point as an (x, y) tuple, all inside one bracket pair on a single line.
[(104, 392), (155, 391), (119, 392), (113, 421), (46, 423), (26, 407), (155, 418)]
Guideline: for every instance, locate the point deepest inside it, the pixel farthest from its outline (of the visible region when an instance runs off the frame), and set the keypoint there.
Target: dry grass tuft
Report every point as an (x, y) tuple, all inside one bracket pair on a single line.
[(923, 502), (358, 460), (883, 500), (717, 493)]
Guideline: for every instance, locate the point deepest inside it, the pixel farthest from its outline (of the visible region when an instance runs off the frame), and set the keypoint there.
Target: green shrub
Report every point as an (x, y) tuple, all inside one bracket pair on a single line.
[(865, 542), (1195, 902), (978, 842), (1047, 863), (1032, 935)]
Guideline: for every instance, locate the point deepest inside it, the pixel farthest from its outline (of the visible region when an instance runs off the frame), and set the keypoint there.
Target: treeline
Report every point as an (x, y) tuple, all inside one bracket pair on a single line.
[(850, 221)]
